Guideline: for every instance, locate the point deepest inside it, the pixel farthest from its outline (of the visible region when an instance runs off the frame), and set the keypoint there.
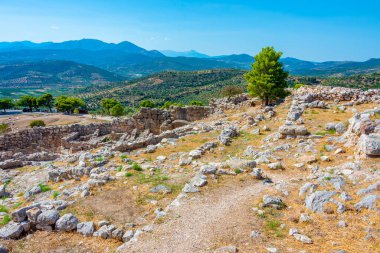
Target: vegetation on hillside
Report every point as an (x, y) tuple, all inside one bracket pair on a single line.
[(173, 86)]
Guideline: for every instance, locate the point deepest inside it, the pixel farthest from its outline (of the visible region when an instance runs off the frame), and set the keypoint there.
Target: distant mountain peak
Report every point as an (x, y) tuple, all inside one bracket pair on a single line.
[(189, 53)]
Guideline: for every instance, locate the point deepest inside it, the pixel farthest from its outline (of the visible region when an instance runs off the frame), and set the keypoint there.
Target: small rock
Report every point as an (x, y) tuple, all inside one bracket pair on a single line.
[(303, 238), (86, 228), (275, 166), (342, 224), (226, 249), (128, 235), (255, 234), (190, 189)]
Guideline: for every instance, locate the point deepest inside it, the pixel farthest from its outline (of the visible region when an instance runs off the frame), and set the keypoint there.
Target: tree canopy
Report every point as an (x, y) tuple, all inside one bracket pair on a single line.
[(267, 79), (28, 101), (68, 104), (46, 100), (6, 103), (107, 104)]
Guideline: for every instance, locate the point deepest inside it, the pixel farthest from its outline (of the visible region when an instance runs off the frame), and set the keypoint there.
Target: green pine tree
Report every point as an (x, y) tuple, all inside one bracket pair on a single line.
[(267, 79)]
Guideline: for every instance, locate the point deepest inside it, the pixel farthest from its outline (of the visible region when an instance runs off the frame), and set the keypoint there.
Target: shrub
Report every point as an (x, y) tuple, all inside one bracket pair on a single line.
[(55, 194), (129, 111), (147, 103), (298, 85), (76, 111), (128, 174), (44, 188), (119, 168), (238, 171), (196, 102), (231, 90), (117, 110), (136, 167), (3, 209), (4, 128), (6, 220), (37, 123)]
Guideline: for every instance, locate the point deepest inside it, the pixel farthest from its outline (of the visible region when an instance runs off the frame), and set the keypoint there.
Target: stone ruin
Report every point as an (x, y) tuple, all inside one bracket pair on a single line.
[(47, 143)]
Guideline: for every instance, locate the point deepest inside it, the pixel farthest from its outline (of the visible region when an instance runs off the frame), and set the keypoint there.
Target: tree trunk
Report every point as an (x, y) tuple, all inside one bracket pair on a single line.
[(266, 101)]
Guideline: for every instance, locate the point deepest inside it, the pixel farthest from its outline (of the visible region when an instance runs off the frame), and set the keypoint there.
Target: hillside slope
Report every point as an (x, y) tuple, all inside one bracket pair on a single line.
[(52, 74), (166, 86)]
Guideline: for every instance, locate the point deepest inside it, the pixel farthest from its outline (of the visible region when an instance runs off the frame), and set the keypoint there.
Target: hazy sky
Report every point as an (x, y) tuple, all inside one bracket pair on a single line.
[(311, 30)]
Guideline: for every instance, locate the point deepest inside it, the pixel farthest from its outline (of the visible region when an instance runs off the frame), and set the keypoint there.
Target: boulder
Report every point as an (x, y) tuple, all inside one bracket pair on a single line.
[(227, 134), (86, 228), (67, 222), (370, 144), (12, 230), (315, 202), (368, 202), (275, 202), (48, 218)]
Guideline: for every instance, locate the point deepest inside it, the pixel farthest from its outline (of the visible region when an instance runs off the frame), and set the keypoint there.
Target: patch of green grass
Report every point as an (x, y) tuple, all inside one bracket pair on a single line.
[(7, 182), (314, 112), (328, 178), (4, 128), (154, 180), (273, 227), (18, 204), (128, 174), (119, 168), (238, 171), (136, 167), (55, 194), (99, 159), (3, 209), (323, 133), (44, 188), (6, 219), (123, 156)]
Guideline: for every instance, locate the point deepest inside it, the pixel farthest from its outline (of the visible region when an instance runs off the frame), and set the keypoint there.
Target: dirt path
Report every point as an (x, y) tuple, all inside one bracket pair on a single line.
[(203, 222)]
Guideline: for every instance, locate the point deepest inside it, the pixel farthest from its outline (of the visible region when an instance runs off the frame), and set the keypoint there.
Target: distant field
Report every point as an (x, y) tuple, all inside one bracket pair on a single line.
[(16, 93)]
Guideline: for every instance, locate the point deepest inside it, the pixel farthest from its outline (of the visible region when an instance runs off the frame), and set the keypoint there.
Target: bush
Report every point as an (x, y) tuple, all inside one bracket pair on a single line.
[(44, 188), (196, 102), (117, 110), (4, 128), (76, 111), (37, 123), (136, 167), (147, 103), (231, 90), (128, 174), (129, 111), (168, 104), (6, 219), (298, 85)]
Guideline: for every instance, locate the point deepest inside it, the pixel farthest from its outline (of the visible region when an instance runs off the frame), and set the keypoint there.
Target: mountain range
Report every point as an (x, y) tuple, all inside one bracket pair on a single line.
[(49, 63)]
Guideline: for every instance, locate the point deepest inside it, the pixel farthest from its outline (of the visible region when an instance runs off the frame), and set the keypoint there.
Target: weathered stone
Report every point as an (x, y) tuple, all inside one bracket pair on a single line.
[(315, 202), (161, 188), (368, 202), (67, 222), (12, 230), (128, 235), (370, 144), (303, 238), (274, 202), (48, 218), (33, 213), (226, 249), (86, 228), (190, 188)]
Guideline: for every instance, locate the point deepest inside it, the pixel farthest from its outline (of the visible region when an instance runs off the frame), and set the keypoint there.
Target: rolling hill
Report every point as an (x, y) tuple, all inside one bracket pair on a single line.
[(131, 61), (166, 86)]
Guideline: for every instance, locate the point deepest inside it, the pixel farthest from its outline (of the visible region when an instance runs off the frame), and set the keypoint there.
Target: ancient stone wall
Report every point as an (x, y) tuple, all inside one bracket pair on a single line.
[(52, 138)]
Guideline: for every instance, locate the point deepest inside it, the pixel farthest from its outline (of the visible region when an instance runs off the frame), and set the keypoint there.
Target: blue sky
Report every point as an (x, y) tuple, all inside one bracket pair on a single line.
[(311, 30)]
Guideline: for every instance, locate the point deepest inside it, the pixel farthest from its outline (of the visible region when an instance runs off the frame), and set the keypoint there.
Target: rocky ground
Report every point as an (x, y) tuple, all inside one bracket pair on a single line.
[(301, 176)]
